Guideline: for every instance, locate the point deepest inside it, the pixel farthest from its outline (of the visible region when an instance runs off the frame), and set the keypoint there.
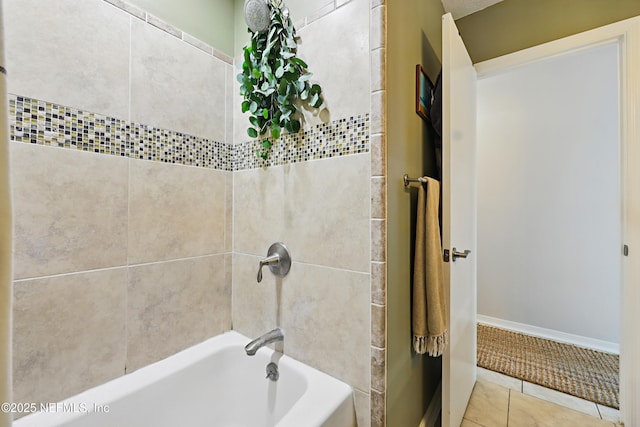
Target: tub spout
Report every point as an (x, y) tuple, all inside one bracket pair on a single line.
[(274, 335)]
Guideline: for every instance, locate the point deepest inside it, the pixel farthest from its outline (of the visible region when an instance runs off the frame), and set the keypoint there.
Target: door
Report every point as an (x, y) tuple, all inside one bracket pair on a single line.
[(458, 221)]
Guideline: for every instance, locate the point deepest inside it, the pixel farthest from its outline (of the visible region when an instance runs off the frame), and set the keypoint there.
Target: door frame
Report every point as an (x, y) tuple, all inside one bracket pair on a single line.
[(627, 35)]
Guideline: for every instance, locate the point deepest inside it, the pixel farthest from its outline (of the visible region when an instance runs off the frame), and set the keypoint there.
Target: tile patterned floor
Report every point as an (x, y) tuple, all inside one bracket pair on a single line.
[(500, 401)]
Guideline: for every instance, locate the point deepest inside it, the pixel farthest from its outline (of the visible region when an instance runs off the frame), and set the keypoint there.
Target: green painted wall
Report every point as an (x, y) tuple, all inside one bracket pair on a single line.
[(518, 24), (211, 21), (414, 36)]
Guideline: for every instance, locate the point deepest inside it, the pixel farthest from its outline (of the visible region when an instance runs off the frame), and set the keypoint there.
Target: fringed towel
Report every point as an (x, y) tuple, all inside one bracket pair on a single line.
[(429, 314)]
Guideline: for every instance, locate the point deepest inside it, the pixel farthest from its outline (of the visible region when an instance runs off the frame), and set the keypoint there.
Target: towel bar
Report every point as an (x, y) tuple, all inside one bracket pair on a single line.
[(408, 180)]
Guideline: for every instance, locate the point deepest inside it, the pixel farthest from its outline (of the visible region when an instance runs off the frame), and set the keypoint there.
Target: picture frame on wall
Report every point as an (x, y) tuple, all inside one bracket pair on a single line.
[(424, 88)]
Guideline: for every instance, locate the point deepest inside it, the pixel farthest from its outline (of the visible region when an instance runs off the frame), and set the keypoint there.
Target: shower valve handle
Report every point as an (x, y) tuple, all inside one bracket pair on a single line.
[(278, 260)]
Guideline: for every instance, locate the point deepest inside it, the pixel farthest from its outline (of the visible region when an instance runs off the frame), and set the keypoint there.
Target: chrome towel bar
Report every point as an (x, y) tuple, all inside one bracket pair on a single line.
[(408, 180)]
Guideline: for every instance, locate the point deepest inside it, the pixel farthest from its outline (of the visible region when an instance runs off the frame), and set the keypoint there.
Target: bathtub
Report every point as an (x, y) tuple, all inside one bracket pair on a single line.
[(213, 383)]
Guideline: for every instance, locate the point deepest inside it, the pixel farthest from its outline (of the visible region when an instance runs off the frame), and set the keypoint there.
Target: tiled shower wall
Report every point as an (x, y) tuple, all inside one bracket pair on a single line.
[(121, 261), (321, 210), (118, 261)]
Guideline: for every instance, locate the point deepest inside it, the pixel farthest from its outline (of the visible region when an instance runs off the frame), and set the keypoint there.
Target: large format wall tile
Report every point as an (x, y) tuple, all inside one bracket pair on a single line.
[(339, 60), (175, 85), (72, 52), (69, 333), (258, 200), (325, 314), (173, 305), (70, 210), (255, 305), (327, 210), (175, 212), (319, 209)]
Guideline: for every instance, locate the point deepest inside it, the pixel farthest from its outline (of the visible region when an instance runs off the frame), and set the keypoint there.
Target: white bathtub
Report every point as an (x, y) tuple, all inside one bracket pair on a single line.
[(213, 383)]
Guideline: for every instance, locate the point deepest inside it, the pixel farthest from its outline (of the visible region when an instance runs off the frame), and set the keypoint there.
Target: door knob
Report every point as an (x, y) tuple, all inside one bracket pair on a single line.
[(455, 254)]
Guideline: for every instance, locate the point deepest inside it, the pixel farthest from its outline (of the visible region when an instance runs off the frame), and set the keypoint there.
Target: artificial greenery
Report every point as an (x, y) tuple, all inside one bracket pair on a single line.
[(273, 78)]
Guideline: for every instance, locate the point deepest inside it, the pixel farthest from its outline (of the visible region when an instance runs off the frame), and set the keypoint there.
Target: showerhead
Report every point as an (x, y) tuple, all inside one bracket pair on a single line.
[(257, 15)]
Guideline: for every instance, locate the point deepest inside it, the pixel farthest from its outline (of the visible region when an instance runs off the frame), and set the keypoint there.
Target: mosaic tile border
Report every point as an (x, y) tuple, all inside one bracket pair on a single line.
[(44, 123), (338, 138)]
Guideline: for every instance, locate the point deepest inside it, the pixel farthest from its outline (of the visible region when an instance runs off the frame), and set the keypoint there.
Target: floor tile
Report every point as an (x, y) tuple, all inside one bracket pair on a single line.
[(500, 379), (609, 414), (489, 405), (528, 411), (559, 398), (467, 423)]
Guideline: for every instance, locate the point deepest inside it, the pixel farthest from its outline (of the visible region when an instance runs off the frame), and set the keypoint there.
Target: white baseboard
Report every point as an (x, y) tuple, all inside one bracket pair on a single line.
[(592, 343), (433, 410)]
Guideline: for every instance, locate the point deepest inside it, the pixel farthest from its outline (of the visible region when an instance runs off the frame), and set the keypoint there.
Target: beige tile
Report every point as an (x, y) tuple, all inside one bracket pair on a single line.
[(563, 399), (197, 43), (328, 201), (379, 283), (258, 200), (133, 10), (378, 26), (70, 210), (175, 85), (256, 306), (378, 65), (378, 326), (500, 379), (325, 313), (378, 117), (74, 53), (528, 411), (240, 119), (228, 213), (488, 405), (609, 414), (302, 204), (68, 334), (378, 240), (378, 197), (230, 94), (378, 155), (345, 88), (362, 402), (228, 270), (467, 423), (320, 12), (164, 26), (378, 409), (175, 211), (173, 305), (378, 369)]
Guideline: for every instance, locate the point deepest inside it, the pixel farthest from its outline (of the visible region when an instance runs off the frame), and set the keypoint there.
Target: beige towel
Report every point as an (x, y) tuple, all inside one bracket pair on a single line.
[(429, 316)]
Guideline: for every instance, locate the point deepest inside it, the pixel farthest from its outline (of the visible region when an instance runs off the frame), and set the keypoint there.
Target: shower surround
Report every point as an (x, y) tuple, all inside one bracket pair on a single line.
[(142, 211)]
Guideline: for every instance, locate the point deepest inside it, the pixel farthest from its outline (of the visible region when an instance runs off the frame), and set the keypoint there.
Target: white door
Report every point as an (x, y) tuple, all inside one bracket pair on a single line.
[(458, 221)]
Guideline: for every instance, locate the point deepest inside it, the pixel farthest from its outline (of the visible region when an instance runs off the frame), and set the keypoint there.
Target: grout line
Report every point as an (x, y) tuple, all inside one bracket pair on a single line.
[(318, 265)]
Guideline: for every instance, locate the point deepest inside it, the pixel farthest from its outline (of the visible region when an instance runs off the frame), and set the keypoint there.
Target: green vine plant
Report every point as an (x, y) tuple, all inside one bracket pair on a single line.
[(273, 79)]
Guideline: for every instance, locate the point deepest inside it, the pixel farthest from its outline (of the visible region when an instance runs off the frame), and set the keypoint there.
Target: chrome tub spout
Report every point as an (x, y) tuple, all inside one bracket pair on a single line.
[(274, 335)]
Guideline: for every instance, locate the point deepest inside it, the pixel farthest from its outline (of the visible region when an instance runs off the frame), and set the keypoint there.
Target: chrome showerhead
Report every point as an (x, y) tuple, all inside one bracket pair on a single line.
[(257, 15)]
